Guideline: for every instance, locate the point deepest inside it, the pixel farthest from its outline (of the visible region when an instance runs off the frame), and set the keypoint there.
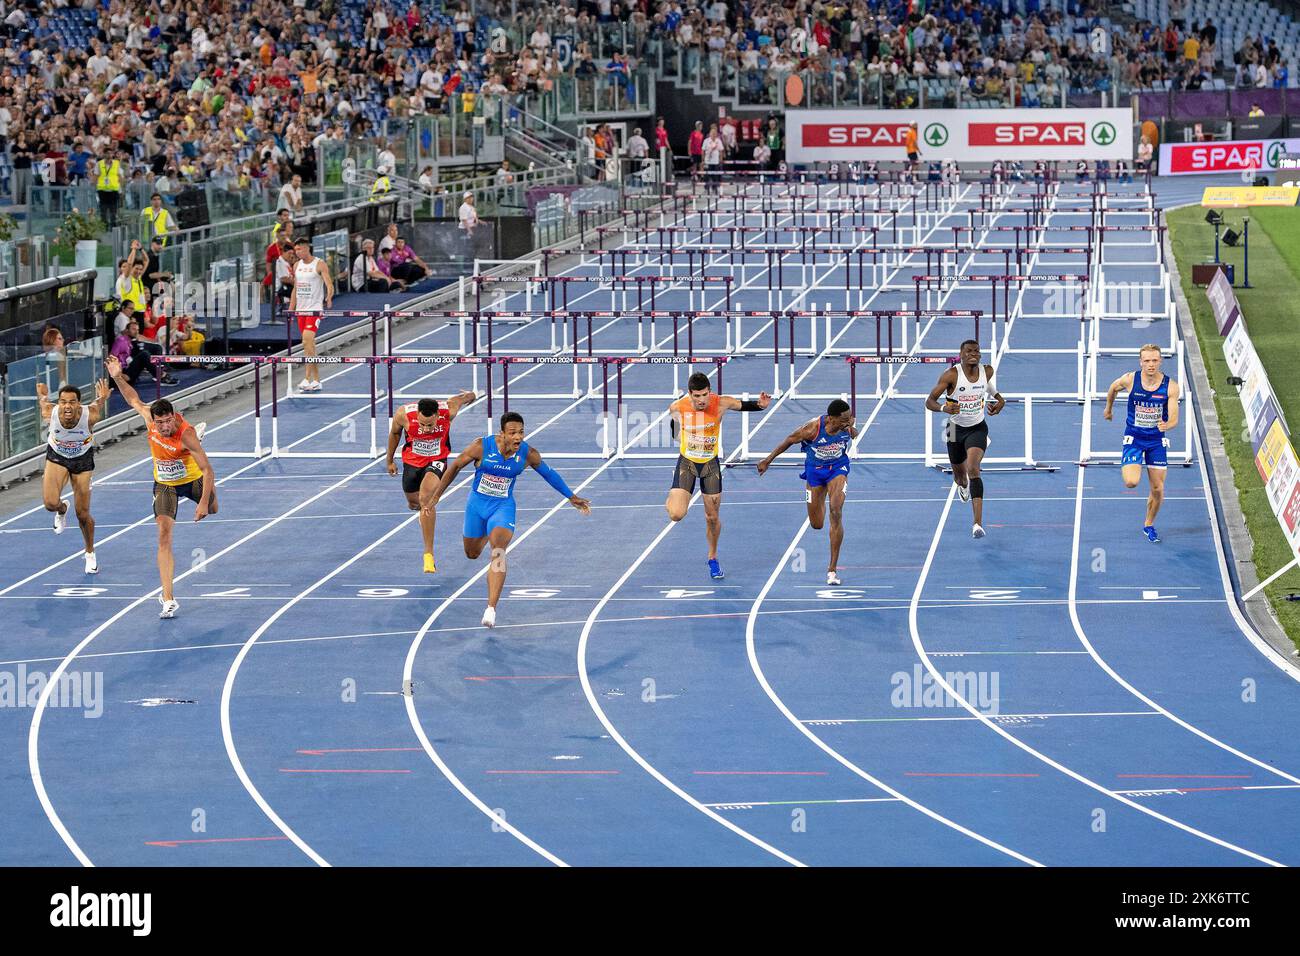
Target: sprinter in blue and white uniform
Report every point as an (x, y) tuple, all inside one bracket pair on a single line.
[(825, 443), (490, 511), (1152, 413)]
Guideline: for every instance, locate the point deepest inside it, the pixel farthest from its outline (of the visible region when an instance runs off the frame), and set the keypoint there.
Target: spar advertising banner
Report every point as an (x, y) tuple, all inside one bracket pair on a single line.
[(1275, 457), (1230, 156), (814, 136)]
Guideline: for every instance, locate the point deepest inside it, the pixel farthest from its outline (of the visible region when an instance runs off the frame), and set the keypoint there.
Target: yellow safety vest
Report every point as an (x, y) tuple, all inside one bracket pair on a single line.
[(109, 177), (160, 221), (137, 293), (380, 187)]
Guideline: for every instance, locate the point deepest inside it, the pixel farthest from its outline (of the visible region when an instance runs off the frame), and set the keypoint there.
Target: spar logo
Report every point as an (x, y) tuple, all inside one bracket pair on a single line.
[(1103, 134), (1220, 157), (1030, 134), (936, 134), (1276, 149), (869, 135)]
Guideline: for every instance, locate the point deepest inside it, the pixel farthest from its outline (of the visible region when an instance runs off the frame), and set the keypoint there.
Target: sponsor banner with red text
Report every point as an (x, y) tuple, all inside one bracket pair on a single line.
[(966, 135), (1229, 156)]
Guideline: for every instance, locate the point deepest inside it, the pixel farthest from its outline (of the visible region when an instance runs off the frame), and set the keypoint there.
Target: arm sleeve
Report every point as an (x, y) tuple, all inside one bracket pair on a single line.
[(553, 479)]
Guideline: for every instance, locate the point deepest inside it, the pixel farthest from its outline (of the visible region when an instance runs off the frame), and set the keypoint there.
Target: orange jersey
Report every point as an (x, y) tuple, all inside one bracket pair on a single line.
[(909, 141), (701, 438), (172, 462)]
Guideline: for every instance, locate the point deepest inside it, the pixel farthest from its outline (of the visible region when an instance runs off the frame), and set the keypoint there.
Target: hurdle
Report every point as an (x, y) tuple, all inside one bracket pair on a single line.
[(375, 317), (255, 361)]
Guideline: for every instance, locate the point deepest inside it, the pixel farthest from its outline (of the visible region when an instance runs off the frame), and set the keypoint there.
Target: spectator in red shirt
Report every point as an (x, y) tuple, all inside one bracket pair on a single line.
[(695, 147)]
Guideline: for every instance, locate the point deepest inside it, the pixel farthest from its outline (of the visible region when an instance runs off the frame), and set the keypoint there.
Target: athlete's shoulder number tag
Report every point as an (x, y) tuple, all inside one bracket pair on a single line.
[(1128, 439)]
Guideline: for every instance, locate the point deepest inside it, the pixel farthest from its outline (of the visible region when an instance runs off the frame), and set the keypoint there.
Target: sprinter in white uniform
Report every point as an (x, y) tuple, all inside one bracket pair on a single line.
[(70, 457), (967, 386), (313, 291)]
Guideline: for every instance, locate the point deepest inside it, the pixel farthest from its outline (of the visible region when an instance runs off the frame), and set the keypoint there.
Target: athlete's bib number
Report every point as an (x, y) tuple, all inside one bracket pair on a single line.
[(171, 469), (969, 402), (494, 486), (70, 449), (1146, 416), (1128, 439), (701, 446), (829, 452), (427, 447)]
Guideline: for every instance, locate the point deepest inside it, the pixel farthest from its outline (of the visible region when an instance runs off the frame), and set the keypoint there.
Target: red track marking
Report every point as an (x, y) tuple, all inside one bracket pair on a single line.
[(760, 773), (553, 773), (1184, 776), (174, 843), (916, 773), (532, 676), (286, 770), (362, 750)]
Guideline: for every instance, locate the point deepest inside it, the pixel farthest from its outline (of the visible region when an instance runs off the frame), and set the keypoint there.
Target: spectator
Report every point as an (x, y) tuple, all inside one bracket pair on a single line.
[(157, 219), (695, 146), (291, 195), (389, 240), (283, 217), (468, 215), (661, 137), (711, 151), (134, 354), (385, 264), (185, 339), (108, 186), (1255, 110), (366, 274), (637, 147), (54, 352), (406, 265)]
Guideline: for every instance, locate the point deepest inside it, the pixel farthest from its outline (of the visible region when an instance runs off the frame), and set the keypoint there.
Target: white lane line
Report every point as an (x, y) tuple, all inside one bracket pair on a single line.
[(904, 720), (943, 682)]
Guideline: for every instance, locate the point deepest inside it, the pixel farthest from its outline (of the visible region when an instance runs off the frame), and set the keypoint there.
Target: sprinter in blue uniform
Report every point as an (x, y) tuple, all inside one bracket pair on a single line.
[(825, 442), (490, 511), (1152, 414)]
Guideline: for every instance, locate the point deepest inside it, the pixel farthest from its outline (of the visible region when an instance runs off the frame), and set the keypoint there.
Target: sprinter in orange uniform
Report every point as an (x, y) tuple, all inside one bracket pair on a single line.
[(698, 418), (180, 470)]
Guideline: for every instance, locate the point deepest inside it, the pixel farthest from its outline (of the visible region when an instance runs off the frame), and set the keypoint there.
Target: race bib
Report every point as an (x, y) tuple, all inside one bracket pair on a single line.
[(701, 445), (1147, 416), (70, 449), (968, 402), (170, 469), (427, 447), (494, 486), (829, 452)]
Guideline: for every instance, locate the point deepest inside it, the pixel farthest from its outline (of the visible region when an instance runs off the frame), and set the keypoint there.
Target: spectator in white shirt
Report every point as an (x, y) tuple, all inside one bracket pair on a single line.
[(468, 215), (386, 160), (291, 195), (713, 150), (366, 274), (389, 240), (637, 147)]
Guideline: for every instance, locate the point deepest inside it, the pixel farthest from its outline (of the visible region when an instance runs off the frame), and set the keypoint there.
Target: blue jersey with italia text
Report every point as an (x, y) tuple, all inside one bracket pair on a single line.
[(495, 477)]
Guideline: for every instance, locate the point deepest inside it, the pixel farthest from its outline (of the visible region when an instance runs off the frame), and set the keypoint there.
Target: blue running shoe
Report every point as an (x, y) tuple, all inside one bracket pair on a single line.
[(1150, 532), (715, 570)]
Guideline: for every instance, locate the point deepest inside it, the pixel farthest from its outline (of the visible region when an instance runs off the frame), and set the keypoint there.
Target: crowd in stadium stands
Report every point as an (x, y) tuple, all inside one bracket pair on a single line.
[(239, 93)]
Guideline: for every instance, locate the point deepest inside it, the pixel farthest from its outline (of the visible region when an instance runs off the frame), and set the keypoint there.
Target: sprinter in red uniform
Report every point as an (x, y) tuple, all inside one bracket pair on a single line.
[(427, 426)]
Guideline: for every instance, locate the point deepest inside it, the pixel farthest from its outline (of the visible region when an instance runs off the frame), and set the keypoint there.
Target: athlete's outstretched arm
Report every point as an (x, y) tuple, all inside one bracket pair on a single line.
[(1172, 423), (473, 453), (999, 402), (100, 405), (394, 438), (457, 402), (129, 395), (191, 442), (731, 403), (806, 432), (43, 400), (555, 481), (946, 382), (1122, 384)]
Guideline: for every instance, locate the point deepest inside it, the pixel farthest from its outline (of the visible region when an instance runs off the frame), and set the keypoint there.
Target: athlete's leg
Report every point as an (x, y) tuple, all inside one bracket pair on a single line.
[(837, 487), (500, 541), (1132, 475), (166, 560), (52, 482), (428, 511), (713, 522), (680, 491), (1156, 478), (816, 506), (474, 547), (974, 456), (81, 500), (311, 371), (678, 501)]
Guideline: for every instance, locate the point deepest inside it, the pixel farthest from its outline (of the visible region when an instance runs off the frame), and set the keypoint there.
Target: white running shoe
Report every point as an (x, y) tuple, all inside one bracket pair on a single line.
[(311, 386), (60, 521), (490, 617), (977, 532), (199, 429), (92, 565), (169, 609), (832, 578), (963, 492)]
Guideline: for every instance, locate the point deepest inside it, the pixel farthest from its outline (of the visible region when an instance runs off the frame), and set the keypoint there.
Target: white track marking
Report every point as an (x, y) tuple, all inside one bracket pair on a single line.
[(941, 681)]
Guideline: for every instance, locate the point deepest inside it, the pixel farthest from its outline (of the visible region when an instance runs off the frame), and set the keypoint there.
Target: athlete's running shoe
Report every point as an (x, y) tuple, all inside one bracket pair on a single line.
[(60, 520), (715, 570), (1150, 532), (977, 531), (92, 565), (963, 491), (428, 565), (832, 578), (489, 617), (169, 609)]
